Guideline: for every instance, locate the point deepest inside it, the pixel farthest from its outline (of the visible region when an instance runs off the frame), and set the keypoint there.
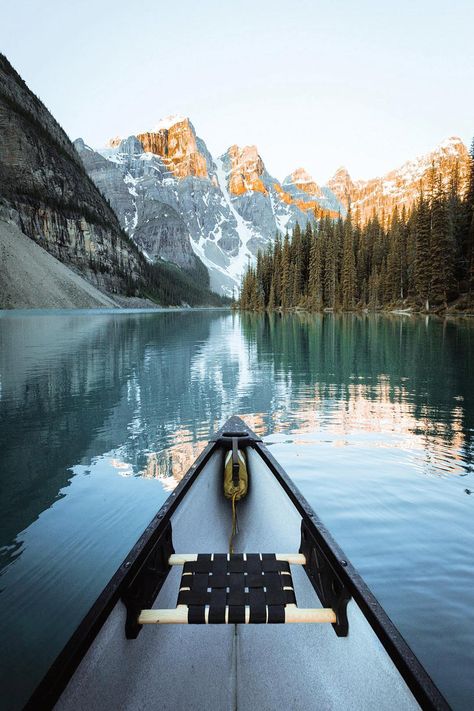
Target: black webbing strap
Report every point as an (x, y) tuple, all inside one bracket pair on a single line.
[(229, 583)]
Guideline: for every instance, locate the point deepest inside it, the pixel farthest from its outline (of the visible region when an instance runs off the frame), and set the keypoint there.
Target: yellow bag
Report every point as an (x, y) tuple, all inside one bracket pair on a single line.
[(230, 490)]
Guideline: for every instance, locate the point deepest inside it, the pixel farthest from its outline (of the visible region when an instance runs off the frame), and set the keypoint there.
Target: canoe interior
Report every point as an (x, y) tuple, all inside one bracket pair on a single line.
[(237, 666)]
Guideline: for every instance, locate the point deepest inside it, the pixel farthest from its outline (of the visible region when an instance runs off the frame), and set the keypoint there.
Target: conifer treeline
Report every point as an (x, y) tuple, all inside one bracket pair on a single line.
[(423, 257)]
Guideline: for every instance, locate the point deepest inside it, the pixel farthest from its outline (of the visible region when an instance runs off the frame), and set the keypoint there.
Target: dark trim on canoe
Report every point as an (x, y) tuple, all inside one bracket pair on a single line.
[(415, 676), (57, 677)]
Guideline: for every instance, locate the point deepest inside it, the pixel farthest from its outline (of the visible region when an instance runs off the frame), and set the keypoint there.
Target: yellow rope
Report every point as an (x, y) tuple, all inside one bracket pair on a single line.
[(234, 524)]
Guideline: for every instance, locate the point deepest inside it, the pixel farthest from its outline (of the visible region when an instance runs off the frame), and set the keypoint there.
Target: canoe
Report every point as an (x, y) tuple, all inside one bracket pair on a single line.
[(284, 621)]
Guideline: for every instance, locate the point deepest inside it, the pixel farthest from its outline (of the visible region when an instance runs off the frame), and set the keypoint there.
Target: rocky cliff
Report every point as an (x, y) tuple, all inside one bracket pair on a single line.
[(174, 140), (307, 194), (45, 190), (127, 182), (178, 203)]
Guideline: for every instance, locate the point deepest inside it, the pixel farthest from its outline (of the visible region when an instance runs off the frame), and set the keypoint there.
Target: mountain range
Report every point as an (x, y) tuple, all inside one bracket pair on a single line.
[(155, 214), (178, 202), (61, 243)]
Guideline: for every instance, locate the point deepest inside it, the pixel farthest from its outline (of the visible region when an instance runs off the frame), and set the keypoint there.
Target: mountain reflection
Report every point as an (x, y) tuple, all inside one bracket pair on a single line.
[(152, 387), (102, 413), (77, 386), (375, 373)]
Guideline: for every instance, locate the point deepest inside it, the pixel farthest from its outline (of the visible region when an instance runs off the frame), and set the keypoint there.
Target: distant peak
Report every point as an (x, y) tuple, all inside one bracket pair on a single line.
[(131, 145), (452, 140), (300, 176), (453, 145), (342, 171), (243, 151), (246, 169), (80, 145), (168, 121)]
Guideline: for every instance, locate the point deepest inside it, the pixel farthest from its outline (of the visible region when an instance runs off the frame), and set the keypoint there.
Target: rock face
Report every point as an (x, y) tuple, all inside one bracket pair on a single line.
[(246, 170), (306, 193), (401, 187), (127, 182), (181, 218), (30, 277), (304, 182), (178, 203), (45, 190), (174, 140)]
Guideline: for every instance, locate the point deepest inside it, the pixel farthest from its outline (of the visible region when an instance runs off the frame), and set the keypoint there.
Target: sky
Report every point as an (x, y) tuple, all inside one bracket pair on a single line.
[(362, 84)]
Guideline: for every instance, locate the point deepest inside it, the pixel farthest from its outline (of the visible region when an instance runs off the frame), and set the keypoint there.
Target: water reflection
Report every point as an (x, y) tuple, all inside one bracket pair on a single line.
[(101, 414), (376, 373), (170, 465)]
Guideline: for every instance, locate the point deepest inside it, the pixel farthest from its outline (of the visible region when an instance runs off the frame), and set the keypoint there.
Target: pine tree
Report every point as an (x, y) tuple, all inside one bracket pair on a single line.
[(339, 249), (379, 245), (456, 219), (395, 260), (277, 270), (442, 247), (295, 281), (422, 253), (260, 297), (330, 264), (348, 265), (285, 273), (297, 266), (410, 251), (468, 240), (306, 242), (315, 279), (271, 298), (363, 261)]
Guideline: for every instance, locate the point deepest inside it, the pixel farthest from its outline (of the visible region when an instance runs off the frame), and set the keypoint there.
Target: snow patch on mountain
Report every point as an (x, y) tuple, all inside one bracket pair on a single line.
[(244, 229), (176, 201), (168, 121), (282, 216)]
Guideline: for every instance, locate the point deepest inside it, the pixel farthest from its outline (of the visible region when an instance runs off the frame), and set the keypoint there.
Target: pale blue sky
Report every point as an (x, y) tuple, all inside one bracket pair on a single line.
[(318, 84)]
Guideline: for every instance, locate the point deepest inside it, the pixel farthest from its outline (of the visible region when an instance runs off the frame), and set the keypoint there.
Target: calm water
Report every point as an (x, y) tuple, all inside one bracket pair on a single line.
[(101, 413)]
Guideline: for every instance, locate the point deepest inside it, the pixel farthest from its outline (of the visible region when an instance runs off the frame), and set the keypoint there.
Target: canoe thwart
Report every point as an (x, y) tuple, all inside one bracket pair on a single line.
[(292, 615), (217, 588), (182, 558)]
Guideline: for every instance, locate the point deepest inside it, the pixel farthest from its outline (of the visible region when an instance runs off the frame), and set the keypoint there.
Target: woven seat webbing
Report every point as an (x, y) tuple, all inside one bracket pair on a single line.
[(230, 583)]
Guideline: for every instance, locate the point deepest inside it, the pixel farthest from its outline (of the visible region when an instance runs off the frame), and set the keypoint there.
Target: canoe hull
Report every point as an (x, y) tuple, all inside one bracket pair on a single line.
[(247, 666)]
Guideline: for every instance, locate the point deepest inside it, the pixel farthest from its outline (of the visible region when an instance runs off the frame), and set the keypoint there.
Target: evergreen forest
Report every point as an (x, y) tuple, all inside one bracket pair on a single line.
[(421, 259)]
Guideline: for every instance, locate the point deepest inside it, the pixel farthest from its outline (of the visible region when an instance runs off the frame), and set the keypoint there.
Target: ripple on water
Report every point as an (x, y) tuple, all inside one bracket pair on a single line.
[(102, 414)]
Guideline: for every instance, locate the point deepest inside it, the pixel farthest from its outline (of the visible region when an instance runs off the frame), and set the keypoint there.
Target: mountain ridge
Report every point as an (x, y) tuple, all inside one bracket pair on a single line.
[(225, 209), (46, 191), (47, 194)]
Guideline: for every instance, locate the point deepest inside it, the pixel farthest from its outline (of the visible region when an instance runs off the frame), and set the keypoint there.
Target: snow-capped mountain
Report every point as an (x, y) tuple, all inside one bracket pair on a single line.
[(401, 187), (179, 203), (307, 194)]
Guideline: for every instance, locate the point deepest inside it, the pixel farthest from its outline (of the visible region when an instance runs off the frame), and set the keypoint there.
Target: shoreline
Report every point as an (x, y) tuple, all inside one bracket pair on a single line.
[(440, 313), (6, 313)]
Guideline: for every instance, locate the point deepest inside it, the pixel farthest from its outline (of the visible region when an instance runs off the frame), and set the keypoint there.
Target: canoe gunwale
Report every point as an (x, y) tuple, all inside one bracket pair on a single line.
[(415, 676), (58, 675)]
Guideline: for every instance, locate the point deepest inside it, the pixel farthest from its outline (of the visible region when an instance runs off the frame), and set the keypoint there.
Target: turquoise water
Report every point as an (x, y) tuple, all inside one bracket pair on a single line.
[(102, 412)]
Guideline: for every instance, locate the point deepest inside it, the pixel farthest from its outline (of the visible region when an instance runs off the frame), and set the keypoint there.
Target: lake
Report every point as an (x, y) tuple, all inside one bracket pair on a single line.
[(102, 412)]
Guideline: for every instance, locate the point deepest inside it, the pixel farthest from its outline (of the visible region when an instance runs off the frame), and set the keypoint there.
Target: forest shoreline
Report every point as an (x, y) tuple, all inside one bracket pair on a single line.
[(452, 310)]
